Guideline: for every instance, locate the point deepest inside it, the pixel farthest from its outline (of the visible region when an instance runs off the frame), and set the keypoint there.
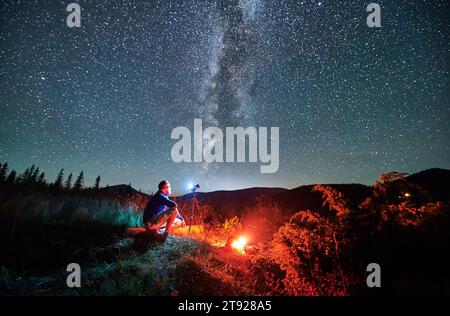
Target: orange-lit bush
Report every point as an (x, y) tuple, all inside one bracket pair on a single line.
[(328, 255), (307, 251)]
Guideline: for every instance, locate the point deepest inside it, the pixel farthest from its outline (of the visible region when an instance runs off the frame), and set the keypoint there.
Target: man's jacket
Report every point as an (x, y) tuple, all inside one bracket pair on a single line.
[(157, 204)]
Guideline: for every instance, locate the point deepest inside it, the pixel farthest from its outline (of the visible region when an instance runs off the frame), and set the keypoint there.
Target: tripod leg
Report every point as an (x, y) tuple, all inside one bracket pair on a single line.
[(192, 215), (194, 206)]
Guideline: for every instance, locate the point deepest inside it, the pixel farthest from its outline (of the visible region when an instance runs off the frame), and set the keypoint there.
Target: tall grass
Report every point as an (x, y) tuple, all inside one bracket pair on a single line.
[(70, 209), (41, 231)]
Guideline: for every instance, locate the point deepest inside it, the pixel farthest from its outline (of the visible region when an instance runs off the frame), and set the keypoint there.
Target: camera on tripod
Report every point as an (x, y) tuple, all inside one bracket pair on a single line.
[(195, 206), (194, 188)]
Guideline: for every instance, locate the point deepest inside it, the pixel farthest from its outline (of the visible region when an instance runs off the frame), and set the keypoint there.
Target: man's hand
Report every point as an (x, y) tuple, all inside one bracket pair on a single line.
[(183, 224)]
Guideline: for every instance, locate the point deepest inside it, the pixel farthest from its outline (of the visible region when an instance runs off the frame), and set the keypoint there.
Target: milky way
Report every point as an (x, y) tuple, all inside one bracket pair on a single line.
[(233, 66), (351, 101)]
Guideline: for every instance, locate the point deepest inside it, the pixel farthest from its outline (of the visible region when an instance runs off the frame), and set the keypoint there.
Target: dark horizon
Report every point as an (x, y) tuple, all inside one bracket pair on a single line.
[(290, 188), (186, 190)]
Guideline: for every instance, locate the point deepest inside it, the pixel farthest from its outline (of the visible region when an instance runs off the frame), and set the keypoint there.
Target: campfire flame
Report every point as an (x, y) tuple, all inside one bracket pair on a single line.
[(239, 244)]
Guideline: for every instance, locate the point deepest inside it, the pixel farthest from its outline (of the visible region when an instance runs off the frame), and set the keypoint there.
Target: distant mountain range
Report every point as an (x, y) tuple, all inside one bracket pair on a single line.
[(436, 181), (302, 198), (233, 199)]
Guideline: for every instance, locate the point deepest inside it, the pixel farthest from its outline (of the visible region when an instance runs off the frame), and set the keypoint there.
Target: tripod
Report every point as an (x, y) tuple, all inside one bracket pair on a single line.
[(194, 208)]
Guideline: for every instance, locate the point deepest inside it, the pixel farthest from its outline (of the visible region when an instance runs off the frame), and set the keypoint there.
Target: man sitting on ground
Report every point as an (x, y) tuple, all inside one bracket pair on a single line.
[(161, 212)]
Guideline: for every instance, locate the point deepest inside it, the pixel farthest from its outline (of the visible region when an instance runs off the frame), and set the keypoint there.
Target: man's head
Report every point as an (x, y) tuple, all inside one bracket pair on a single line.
[(164, 187)]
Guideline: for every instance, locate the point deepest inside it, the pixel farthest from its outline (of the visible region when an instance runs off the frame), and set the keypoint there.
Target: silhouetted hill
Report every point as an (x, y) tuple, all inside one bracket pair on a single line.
[(122, 190), (233, 199), (302, 198), (436, 181)]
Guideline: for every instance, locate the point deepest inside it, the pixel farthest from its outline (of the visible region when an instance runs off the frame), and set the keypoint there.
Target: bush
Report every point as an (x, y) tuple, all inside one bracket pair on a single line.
[(307, 250), (328, 256)]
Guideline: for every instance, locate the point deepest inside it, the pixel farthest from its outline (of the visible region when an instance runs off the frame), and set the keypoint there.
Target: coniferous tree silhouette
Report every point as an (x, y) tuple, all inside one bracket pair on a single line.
[(68, 184), (79, 182), (11, 179), (31, 172), (59, 179), (24, 176), (41, 178), (3, 171), (97, 183), (34, 175)]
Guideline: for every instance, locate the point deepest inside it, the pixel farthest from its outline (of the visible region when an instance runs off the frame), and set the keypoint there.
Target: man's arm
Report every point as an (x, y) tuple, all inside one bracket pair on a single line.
[(171, 204), (168, 202)]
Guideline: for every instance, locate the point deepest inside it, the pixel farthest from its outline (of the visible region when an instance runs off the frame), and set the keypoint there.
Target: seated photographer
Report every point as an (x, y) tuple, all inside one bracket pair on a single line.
[(161, 213)]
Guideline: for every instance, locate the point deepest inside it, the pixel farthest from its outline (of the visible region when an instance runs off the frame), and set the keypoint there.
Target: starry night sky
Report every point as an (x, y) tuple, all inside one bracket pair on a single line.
[(351, 101)]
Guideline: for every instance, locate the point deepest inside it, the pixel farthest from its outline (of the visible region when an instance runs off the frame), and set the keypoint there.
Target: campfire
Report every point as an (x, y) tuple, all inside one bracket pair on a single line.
[(239, 244)]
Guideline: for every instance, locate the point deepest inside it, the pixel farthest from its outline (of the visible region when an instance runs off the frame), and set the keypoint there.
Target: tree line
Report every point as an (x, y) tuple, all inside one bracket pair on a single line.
[(34, 177)]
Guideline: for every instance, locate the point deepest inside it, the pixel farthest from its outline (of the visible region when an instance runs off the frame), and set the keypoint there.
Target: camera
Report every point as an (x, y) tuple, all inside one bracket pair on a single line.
[(195, 187)]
